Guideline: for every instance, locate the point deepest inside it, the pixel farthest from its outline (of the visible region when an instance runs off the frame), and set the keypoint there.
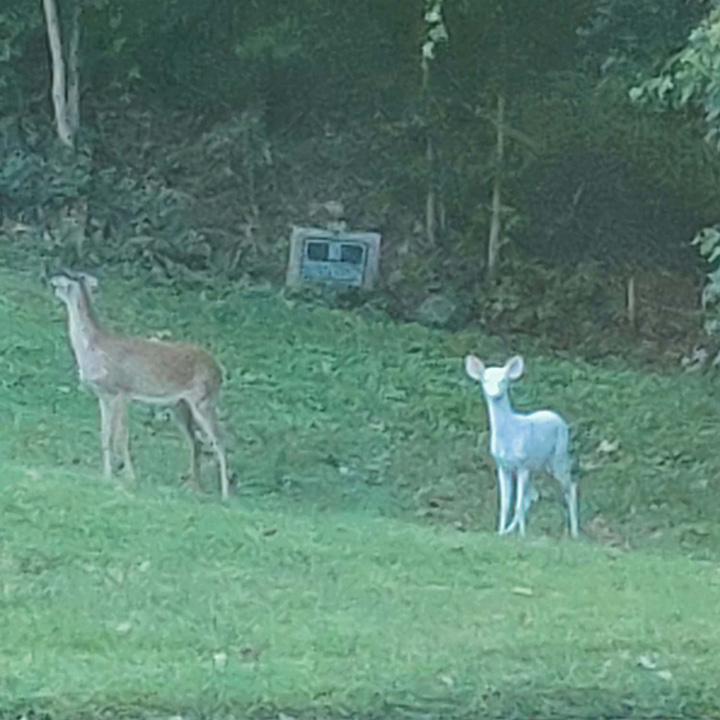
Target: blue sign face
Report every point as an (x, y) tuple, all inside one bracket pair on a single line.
[(334, 261)]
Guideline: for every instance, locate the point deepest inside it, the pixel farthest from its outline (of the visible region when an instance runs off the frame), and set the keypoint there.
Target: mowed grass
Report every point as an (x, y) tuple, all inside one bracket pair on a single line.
[(356, 571)]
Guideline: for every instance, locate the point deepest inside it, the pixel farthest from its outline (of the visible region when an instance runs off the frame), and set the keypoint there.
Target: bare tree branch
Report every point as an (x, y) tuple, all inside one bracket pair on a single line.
[(59, 97)]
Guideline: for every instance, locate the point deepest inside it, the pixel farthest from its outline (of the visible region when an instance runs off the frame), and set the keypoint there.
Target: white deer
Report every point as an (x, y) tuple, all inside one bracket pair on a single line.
[(522, 444), (121, 369)]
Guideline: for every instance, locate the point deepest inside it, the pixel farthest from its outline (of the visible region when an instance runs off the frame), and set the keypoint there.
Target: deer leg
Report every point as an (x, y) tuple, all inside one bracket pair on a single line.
[(570, 494), (572, 503), (531, 496), (505, 479), (184, 418), (122, 433), (521, 501), (562, 472), (204, 414), (106, 433)]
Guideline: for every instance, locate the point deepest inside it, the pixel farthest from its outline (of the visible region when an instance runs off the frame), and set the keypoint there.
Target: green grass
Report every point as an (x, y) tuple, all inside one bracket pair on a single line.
[(356, 572)]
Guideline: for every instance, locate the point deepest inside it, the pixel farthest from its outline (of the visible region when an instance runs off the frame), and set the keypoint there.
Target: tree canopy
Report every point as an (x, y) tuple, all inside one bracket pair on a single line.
[(205, 128)]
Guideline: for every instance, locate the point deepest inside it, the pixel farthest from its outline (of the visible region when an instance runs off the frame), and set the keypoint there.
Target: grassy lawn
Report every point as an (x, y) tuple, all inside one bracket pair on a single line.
[(356, 571)]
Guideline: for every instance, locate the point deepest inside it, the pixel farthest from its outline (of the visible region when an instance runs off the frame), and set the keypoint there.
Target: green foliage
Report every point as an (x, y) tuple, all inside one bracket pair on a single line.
[(543, 300), (626, 39), (513, 44), (13, 26), (197, 162), (78, 213), (691, 78), (436, 30), (339, 580), (38, 176), (20, 27), (278, 41), (609, 183), (708, 244), (280, 57), (33, 183)]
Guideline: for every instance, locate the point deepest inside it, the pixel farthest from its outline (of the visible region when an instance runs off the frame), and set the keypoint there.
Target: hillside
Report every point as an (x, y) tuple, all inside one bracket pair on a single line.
[(355, 571)]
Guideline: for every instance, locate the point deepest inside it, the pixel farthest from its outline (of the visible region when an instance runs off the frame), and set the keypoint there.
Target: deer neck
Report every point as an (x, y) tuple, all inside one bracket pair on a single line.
[(501, 420), (83, 328)]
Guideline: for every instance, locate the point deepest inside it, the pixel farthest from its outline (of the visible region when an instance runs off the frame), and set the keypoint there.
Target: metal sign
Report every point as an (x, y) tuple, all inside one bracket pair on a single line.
[(334, 257)]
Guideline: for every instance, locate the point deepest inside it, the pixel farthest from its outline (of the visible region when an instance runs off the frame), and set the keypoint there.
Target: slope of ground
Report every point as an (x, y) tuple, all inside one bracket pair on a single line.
[(355, 571)]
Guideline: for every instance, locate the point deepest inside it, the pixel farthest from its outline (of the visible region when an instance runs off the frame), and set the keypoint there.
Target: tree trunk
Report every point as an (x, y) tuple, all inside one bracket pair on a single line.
[(59, 97), (494, 241), (73, 90), (632, 304), (430, 200), (430, 214)]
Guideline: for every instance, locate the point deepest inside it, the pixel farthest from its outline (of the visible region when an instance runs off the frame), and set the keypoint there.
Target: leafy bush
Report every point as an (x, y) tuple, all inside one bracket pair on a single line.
[(539, 299), (65, 206), (708, 243), (37, 177)]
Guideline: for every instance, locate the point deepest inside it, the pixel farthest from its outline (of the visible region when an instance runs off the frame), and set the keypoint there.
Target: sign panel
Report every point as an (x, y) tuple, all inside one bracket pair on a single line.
[(333, 257)]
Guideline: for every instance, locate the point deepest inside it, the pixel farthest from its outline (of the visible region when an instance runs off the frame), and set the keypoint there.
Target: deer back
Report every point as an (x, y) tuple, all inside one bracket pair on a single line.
[(156, 371), (528, 440)]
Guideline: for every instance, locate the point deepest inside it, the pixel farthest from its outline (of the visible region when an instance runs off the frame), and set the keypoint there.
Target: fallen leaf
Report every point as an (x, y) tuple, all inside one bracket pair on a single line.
[(448, 681), (647, 662), (606, 447), (525, 591), (123, 628), (116, 575)]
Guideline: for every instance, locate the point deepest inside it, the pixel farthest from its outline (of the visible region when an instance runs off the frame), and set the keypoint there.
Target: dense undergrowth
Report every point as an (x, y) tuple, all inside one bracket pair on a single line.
[(186, 199), (355, 572)]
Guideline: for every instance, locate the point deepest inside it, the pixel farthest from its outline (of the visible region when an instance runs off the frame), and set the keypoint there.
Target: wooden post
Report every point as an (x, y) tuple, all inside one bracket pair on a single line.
[(494, 241), (632, 304)]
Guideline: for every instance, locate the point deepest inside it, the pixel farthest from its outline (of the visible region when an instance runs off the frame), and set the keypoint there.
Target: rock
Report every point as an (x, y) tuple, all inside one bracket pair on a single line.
[(436, 310)]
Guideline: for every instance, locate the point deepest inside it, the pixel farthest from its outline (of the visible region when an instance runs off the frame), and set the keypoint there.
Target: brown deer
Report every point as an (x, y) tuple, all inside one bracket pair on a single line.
[(121, 369)]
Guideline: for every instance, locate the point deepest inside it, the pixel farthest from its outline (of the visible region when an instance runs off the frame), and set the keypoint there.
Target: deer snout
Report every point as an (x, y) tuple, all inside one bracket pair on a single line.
[(493, 389)]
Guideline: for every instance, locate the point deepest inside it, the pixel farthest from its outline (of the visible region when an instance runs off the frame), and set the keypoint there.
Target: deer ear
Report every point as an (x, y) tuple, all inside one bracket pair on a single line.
[(474, 367), (90, 281), (514, 367)]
